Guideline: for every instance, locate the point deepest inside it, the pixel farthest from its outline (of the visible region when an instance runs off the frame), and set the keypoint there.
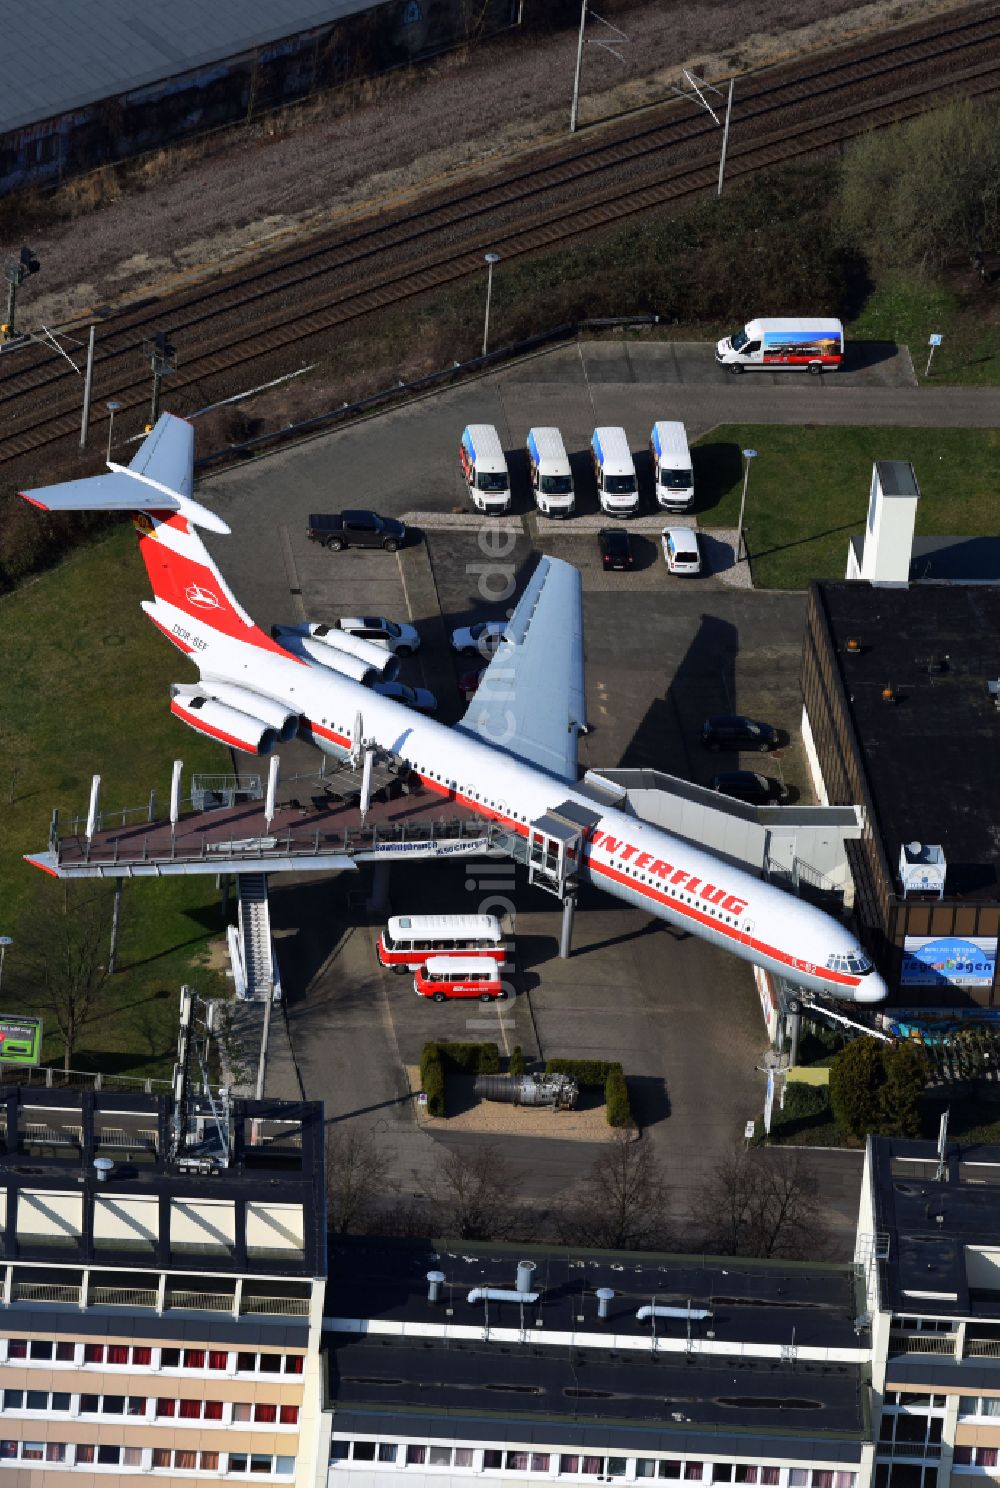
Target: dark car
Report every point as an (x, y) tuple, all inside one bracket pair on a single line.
[(733, 731), (357, 529), (747, 785), (615, 546)]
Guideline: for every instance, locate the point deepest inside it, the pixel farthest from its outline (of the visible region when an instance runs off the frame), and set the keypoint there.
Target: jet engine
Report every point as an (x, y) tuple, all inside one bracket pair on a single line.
[(378, 657), (206, 715), (277, 714)]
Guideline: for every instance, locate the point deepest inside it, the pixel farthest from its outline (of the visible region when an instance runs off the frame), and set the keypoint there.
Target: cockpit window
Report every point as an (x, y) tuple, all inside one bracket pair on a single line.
[(856, 964)]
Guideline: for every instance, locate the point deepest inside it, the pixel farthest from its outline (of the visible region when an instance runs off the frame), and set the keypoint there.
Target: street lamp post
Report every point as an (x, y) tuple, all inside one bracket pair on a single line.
[(491, 259), (748, 455), (5, 941), (112, 408)]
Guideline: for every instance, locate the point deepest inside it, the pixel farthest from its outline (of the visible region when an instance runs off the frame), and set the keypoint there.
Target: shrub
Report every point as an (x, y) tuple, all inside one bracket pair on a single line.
[(515, 1067), (584, 1071), (470, 1059), (432, 1079), (876, 1087), (616, 1101)]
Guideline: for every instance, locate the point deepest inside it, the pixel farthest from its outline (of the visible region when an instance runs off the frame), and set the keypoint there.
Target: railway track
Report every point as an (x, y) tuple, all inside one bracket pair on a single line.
[(266, 308)]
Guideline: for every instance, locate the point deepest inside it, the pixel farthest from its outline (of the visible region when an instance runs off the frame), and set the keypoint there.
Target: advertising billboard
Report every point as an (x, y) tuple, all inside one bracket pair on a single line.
[(20, 1040), (949, 961)]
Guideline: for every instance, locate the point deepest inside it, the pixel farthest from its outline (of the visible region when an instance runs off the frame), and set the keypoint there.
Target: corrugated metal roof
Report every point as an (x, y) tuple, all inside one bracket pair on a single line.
[(64, 54)]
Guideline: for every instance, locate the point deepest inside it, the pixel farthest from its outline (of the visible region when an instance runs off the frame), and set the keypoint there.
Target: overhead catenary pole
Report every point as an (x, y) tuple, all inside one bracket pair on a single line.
[(87, 386), (491, 259), (748, 455), (579, 69), (725, 137)]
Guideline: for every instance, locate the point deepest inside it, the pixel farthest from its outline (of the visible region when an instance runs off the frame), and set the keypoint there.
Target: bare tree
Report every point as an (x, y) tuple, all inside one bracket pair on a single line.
[(621, 1204), (356, 1170), (474, 1196), (62, 969), (762, 1202)]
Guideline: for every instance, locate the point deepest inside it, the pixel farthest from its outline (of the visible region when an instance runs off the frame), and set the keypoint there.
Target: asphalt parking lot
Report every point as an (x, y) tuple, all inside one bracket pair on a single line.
[(662, 653)]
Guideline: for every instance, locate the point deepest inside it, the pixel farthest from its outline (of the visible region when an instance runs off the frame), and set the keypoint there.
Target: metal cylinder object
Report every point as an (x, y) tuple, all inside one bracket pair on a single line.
[(525, 1271), (435, 1281), (605, 1296)]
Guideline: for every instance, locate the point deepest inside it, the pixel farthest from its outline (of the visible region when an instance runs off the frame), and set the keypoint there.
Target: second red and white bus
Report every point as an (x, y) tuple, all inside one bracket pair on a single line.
[(443, 977), (408, 940)]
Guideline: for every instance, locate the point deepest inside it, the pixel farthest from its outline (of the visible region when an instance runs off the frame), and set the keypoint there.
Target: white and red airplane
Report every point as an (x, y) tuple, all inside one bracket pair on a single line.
[(513, 756)]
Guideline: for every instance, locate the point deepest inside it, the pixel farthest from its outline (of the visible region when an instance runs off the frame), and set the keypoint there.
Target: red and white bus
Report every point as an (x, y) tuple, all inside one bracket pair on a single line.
[(408, 940), (441, 977)]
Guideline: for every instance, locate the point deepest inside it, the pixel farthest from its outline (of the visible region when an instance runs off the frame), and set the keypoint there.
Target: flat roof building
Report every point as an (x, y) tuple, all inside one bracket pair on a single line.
[(929, 1246), (162, 1287), (901, 718), (526, 1365)]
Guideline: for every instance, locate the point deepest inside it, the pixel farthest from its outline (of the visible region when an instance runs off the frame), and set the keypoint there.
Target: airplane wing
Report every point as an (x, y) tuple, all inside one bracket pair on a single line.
[(159, 478), (530, 700)]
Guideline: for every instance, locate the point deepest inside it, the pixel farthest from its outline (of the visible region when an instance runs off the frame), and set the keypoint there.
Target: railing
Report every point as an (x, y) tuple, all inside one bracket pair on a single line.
[(307, 845), (98, 1296), (53, 1079), (200, 1301), (281, 1306), (921, 1343), (44, 1291), (982, 1348)]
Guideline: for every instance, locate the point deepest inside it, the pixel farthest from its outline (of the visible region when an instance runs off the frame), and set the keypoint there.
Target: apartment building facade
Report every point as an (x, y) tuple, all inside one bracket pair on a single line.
[(163, 1303), (929, 1246)]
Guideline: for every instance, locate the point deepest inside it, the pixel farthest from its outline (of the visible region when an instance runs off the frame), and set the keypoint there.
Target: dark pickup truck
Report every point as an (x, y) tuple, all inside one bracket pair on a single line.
[(357, 529)]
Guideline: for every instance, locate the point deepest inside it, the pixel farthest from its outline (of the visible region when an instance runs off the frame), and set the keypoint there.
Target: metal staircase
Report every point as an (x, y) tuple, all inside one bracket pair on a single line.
[(255, 937)]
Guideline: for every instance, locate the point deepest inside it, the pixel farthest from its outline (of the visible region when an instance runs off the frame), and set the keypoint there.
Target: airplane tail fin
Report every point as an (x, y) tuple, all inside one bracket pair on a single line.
[(193, 605), (159, 478)]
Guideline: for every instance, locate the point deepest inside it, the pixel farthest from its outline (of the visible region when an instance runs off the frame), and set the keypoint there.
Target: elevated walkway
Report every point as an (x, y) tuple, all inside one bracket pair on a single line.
[(316, 826), (802, 848)]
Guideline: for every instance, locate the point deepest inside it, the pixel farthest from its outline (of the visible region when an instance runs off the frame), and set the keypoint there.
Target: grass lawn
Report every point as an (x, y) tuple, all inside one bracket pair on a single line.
[(906, 308), (809, 488), (86, 681)]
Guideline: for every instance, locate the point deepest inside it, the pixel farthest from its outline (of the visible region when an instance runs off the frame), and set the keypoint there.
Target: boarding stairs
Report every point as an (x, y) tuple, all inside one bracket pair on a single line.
[(255, 937)]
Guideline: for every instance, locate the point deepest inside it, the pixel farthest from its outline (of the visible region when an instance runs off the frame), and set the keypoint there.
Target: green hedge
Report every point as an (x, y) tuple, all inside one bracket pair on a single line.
[(617, 1104), (432, 1079), (606, 1074), (584, 1071), (470, 1059), (515, 1065)]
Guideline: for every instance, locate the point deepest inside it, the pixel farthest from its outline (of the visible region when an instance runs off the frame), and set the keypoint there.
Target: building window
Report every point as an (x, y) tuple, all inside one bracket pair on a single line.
[(363, 1451), (670, 1469), (387, 1451), (289, 1415), (109, 1456), (93, 1353), (194, 1358), (131, 1457), (55, 1452), (694, 1470), (745, 1474), (464, 1457), (265, 1413), (117, 1353), (539, 1462), (770, 1475), (439, 1456), (339, 1451), (41, 1350), (142, 1356), (164, 1407), (32, 1451), (617, 1467), (83, 1453), (208, 1461), (517, 1461), (171, 1358), (417, 1456), (66, 1353), (798, 1477)]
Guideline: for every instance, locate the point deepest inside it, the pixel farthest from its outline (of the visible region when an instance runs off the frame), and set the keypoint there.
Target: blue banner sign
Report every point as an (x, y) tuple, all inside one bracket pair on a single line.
[(949, 961)]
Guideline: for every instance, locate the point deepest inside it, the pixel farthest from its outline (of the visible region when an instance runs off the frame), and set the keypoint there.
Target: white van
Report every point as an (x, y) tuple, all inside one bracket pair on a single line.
[(673, 474), (485, 469), (614, 472), (791, 344), (551, 477)]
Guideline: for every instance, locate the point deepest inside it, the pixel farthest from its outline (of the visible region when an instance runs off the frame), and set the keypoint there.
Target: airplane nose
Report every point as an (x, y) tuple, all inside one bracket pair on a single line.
[(871, 989)]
